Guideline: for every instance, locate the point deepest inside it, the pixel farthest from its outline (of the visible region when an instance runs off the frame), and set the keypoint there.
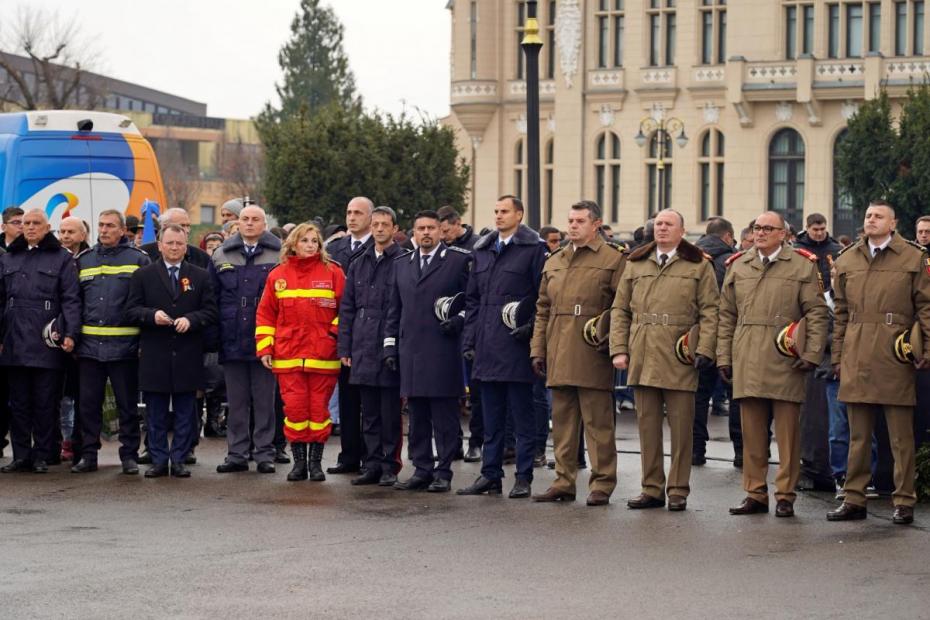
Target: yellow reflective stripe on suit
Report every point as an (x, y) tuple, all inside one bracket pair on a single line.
[(94, 330), (313, 426), (307, 363), (264, 330), (106, 270), (264, 342), (318, 293)]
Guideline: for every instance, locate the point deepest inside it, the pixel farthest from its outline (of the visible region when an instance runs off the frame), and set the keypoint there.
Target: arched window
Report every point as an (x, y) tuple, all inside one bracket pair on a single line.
[(659, 168), (786, 176), (844, 217), (710, 168), (519, 169), (607, 175), (548, 169)]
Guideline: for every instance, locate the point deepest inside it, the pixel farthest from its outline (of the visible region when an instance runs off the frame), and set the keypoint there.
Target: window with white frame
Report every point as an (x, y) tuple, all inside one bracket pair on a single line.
[(710, 168), (519, 169), (713, 32), (609, 20), (607, 174), (799, 28)]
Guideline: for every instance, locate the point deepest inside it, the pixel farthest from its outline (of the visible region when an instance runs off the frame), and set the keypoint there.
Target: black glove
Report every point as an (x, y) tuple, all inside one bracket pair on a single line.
[(523, 333), (469, 355), (726, 373), (539, 366), (391, 363), (824, 374), (803, 365), (702, 362), (453, 326)]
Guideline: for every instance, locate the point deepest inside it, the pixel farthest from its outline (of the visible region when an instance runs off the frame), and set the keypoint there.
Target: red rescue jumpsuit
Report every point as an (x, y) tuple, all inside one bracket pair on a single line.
[(296, 324)]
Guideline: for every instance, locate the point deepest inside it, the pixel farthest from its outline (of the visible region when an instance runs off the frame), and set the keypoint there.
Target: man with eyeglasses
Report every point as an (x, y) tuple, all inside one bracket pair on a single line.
[(12, 226), (882, 289), (766, 289)]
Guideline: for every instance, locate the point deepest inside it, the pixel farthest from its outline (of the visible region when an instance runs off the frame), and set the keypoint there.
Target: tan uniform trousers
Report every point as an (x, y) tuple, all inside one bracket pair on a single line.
[(679, 408), (571, 406), (754, 417), (900, 421)]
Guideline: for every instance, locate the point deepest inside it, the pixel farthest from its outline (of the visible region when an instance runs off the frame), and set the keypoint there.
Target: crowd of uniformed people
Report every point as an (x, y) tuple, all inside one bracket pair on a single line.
[(537, 330)]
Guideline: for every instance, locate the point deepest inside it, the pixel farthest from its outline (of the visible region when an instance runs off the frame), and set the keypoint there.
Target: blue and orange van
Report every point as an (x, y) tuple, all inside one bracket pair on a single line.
[(76, 163)]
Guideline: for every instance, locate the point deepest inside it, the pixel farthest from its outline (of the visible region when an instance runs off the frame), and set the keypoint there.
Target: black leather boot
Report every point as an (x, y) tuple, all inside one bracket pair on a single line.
[(299, 471), (316, 455)]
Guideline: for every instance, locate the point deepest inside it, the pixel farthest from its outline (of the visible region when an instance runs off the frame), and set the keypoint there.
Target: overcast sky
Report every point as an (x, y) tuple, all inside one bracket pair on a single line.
[(224, 52)]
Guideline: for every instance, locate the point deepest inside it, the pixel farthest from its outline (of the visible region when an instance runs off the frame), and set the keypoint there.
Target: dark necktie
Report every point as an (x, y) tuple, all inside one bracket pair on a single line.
[(765, 261), (355, 244), (173, 273), (876, 252), (424, 263), (663, 258), (499, 246)]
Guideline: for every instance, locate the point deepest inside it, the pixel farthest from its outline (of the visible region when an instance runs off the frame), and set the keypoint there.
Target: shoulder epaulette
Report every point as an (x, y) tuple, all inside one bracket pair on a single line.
[(733, 258), (555, 251), (916, 245), (807, 254), (849, 247), (456, 248), (82, 253), (617, 246), (404, 253)]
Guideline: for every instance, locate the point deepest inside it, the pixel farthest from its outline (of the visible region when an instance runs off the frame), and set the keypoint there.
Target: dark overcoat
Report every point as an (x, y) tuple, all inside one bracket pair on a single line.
[(430, 361), (170, 362), (362, 315), (498, 278)]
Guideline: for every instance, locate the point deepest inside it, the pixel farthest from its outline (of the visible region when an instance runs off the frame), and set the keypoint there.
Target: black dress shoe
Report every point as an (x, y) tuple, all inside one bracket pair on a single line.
[(520, 490), (784, 508), (439, 485), (554, 495), (265, 467), (178, 470), (677, 503), (280, 456), (145, 458), (387, 480), (16, 466), (371, 476), (84, 466), (473, 455), (903, 515), (848, 512), (157, 471), (228, 467), (39, 467), (414, 483), (480, 486), (342, 468), (130, 467), (643, 500), (698, 459), (190, 459), (749, 506)]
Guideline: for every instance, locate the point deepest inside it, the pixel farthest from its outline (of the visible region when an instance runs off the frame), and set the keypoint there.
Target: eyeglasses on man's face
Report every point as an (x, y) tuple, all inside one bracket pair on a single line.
[(766, 229)]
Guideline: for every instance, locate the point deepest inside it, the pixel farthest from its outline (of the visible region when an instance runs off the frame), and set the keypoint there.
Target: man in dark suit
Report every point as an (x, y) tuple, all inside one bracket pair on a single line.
[(428, 352), (345, 251), (178, 217), (172, 300)]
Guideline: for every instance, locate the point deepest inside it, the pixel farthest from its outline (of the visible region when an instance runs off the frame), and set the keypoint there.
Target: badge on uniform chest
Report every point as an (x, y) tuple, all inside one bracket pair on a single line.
[(186, 285)]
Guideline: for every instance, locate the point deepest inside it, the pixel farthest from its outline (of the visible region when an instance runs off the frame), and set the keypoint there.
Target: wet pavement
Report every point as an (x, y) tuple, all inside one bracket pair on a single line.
[(242, 545)]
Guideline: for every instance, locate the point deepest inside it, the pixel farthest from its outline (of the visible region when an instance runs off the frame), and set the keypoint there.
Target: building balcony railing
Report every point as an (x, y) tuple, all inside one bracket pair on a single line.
[(606, 79), (474, 91)]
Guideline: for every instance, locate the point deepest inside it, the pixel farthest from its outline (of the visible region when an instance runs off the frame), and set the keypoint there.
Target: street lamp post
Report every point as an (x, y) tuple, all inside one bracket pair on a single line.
[(531, 45), (661, 126)]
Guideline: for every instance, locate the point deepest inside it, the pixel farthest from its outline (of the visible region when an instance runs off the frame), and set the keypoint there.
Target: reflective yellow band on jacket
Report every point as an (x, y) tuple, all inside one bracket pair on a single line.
[(94, 330), (313, 426), (267, 341), (106, 270), (294, 293), (307, 363), (335, 321), (264, 330)]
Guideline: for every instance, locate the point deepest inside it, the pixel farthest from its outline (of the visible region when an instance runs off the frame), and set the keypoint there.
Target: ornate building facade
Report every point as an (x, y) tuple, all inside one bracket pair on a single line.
[(707, 106)]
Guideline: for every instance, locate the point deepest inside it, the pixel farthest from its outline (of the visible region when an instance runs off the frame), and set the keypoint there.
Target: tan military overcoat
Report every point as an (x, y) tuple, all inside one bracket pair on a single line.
[(654, 307), (576, 286), (756, 302), (877, 299)]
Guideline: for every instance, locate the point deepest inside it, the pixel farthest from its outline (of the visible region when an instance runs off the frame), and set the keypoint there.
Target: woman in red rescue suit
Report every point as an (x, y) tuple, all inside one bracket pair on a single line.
[(295, 330)]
